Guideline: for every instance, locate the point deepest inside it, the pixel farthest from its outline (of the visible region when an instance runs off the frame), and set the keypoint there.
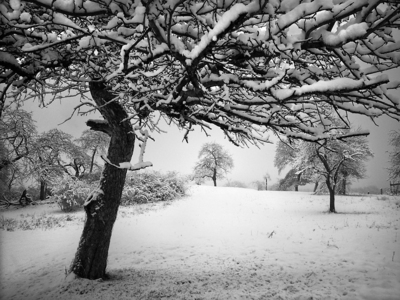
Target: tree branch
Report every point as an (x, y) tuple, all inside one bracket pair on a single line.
[(99, 125)]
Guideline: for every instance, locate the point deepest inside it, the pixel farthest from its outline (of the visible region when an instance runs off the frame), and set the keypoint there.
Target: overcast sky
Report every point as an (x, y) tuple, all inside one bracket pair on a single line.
[(170, 153)]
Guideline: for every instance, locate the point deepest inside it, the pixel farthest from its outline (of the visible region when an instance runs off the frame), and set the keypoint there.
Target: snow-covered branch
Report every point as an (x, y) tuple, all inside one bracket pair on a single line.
[(247, 67), (128, 165), (140, 164)]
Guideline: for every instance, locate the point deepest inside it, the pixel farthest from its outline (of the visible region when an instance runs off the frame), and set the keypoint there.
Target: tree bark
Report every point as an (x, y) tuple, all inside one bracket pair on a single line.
[(214, 178), (92, 161), (316, 186), (344, 185), (43, 190), (331, 189), (101, 207), (296, 187), (76, 168), (331, 201)]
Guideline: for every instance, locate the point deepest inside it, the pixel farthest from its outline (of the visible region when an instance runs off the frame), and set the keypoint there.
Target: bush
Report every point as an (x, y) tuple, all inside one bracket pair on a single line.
[(140, 187), (152, 186), (236, 183), (70, 193)]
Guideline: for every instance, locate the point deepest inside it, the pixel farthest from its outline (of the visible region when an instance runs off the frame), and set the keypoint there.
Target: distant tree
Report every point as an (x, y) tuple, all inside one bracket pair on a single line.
[(262, 185), (259, 185), (352, 169), (266, 178), (17, 135), (236, 183), (336, 157), (394, 156), (336, 161), (94, 141), (214, 162), (285, 156), (55, 154), (293, 178)]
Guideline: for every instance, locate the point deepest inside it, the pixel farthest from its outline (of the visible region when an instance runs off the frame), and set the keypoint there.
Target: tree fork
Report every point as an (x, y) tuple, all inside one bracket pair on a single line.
[(101, 207)]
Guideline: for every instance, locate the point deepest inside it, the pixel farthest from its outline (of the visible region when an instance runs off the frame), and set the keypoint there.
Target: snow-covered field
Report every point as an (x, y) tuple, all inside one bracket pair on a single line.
[(221, 243)]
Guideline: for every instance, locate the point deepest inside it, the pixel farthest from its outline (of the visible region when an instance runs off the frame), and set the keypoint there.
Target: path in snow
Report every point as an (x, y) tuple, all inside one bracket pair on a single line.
[(223, 243)]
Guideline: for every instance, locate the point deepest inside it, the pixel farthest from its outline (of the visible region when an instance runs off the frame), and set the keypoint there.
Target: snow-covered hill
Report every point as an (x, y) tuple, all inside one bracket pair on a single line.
[(221, 243)]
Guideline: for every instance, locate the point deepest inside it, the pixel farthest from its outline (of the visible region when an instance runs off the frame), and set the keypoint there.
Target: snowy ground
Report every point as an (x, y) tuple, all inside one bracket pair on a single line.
[(221, 243)]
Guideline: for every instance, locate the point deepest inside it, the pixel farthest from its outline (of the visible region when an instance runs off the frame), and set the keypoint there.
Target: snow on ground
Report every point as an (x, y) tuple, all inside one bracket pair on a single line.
[(222, 243)]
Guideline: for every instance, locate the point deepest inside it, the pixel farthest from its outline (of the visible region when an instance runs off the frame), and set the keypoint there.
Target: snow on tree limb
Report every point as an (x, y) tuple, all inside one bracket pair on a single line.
[(128, 165), (140, 164), (247, 67)]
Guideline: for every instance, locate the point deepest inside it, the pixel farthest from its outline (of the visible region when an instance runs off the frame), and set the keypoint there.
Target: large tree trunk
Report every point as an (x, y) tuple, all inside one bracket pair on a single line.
[(102, 206)]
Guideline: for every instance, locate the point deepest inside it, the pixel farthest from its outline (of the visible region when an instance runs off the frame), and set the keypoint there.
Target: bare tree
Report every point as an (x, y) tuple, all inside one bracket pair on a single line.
[(336, 161), (266, 178), (285, 156), (214, 162), (334, 156), (250, 68), (17, 135), (394, 156), (262, 185), (17, 130), (55, 154)]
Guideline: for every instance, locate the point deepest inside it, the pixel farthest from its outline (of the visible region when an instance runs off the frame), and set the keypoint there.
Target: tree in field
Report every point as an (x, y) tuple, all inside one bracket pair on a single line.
[(262, 185), (56, 154), (95, 142), (286, 156), (266, 178), (17, 135), (250, 68), (292, 179), (337, 158), (394, 156), (214, 162), (336, 161)]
